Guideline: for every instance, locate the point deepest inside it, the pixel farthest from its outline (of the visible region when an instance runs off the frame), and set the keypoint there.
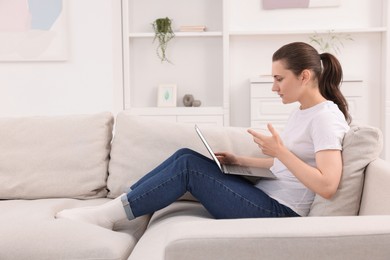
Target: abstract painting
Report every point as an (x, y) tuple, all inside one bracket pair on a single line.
[(33, 30)]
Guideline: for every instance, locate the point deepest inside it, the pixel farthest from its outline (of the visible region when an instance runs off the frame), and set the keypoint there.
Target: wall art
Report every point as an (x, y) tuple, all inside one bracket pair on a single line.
[(33, 30), (166, 96)]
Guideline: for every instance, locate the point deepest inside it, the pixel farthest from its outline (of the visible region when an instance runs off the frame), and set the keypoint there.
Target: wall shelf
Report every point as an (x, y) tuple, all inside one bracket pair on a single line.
[(308, 31), (185, 111), (178, 34), (188, 115)]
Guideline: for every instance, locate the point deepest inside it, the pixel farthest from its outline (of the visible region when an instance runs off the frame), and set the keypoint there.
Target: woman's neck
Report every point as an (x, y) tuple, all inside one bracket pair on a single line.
[(312, 98)]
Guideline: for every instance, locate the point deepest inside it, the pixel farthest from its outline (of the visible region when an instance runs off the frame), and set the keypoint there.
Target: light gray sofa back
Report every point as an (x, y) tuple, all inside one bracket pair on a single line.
[(55, 156)]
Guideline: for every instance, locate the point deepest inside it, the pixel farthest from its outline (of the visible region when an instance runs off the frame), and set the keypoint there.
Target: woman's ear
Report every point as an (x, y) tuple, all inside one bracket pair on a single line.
[(306, 76)]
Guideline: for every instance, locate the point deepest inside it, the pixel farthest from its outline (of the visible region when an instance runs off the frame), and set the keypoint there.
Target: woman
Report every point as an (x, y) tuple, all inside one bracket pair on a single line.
[(306, 158)]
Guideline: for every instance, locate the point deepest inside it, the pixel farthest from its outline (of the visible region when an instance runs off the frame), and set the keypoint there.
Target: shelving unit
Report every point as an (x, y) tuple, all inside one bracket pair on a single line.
[(198, 60)]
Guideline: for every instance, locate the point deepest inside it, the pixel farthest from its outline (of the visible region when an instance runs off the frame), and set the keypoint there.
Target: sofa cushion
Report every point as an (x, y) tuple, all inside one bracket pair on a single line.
[(55, 156), (140, 144), (361, 145), (30, 231)]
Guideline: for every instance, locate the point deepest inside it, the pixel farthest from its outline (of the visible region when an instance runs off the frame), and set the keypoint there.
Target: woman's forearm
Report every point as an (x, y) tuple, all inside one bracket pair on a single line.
[(255, 162)]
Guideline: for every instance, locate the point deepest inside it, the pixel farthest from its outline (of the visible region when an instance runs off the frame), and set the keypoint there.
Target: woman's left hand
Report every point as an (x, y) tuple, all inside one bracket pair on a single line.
[(226, 158), (269, 145)]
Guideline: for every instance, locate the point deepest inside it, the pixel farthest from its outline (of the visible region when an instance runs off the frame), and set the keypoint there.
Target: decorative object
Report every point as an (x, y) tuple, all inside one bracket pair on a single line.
[(331, 41), (188, 99), (164, 33), (166, 95), (33, 30), (283, 4), (192, 28), (196, 103)]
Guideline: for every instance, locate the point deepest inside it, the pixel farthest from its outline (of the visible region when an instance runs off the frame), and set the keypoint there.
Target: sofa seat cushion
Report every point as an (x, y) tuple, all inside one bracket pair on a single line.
[(29, 230), (160, 225), (184, 230), (55, 156)]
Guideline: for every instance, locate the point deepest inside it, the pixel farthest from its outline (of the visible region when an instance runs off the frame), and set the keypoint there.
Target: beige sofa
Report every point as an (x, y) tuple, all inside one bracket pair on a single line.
[(51, 163)]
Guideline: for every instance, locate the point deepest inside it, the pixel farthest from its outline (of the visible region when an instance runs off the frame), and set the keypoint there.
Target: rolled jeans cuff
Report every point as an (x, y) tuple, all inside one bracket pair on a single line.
[(126, 206)]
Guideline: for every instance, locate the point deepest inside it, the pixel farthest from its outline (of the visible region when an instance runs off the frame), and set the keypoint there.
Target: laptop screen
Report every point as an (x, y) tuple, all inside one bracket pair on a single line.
[(208, 147)]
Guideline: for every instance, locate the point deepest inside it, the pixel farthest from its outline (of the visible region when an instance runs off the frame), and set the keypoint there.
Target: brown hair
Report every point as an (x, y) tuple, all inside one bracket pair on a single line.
[(298, 56)]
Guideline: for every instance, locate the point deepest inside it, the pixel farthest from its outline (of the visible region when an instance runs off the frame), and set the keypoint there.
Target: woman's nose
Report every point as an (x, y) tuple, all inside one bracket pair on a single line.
[(275, 87)]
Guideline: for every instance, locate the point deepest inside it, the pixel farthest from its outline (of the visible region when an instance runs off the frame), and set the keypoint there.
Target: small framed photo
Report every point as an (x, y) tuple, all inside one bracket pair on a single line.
[(166, 96)]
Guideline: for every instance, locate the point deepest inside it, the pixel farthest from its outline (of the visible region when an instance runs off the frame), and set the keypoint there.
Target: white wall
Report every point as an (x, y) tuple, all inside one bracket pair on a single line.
[(85, 83)]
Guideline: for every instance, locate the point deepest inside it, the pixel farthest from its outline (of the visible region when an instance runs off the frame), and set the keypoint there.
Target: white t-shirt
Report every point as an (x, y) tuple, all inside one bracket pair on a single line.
[(307, 131)]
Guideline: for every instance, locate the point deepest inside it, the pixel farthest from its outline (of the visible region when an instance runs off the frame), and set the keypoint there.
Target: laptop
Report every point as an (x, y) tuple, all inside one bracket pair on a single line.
[(235, 169)]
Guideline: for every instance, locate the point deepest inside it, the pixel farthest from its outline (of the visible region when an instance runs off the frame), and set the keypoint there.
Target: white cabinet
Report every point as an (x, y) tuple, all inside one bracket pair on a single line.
[(197, 60), (266, 105)]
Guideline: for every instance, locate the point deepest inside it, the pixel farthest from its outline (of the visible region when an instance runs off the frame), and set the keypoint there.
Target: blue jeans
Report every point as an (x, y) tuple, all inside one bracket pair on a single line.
[(224, 196)]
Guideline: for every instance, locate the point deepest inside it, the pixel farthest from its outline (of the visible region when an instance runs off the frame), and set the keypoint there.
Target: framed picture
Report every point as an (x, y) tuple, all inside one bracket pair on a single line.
[(33, 30), (166, 96)]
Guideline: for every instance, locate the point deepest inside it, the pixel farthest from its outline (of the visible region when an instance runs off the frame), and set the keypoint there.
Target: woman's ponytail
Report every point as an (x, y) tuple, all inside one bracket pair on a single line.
[(329, 83)]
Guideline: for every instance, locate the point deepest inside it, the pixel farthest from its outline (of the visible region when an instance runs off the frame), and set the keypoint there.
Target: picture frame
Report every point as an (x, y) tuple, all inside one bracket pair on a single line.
[(166, 95), (34, 30)]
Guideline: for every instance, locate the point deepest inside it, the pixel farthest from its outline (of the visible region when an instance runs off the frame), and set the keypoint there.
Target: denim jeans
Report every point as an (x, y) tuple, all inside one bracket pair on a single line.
[(224, 196)]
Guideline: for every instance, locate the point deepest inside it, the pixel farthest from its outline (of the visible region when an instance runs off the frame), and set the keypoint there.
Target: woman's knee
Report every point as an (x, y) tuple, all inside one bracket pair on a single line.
[(183, 151), (183, 155), (193, 160)]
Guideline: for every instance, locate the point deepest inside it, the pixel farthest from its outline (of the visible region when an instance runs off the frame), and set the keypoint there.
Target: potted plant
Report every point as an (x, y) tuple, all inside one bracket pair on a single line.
[(331, 41), (163, 33)]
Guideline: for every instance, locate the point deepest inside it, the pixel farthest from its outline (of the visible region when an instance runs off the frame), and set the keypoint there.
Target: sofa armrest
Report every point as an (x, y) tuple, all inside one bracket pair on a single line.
[(357, 237), (376, 192)]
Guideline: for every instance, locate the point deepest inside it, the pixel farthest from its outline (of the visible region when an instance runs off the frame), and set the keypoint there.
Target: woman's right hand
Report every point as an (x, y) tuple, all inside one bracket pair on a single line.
[(227, 158)]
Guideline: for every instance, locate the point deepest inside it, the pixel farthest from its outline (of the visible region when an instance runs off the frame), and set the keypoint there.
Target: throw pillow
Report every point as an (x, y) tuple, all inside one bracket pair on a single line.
[(55, 156), (361, 145)]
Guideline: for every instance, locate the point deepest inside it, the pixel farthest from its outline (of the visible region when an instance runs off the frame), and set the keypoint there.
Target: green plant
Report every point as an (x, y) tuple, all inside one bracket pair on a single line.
[(164, 33), (330, 41)]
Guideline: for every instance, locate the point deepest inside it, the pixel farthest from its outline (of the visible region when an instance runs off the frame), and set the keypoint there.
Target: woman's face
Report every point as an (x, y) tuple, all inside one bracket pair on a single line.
[(286, 84)]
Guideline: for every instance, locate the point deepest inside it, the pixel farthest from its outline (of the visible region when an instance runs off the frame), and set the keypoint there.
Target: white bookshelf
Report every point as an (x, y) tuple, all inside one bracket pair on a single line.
[(198, 60)]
